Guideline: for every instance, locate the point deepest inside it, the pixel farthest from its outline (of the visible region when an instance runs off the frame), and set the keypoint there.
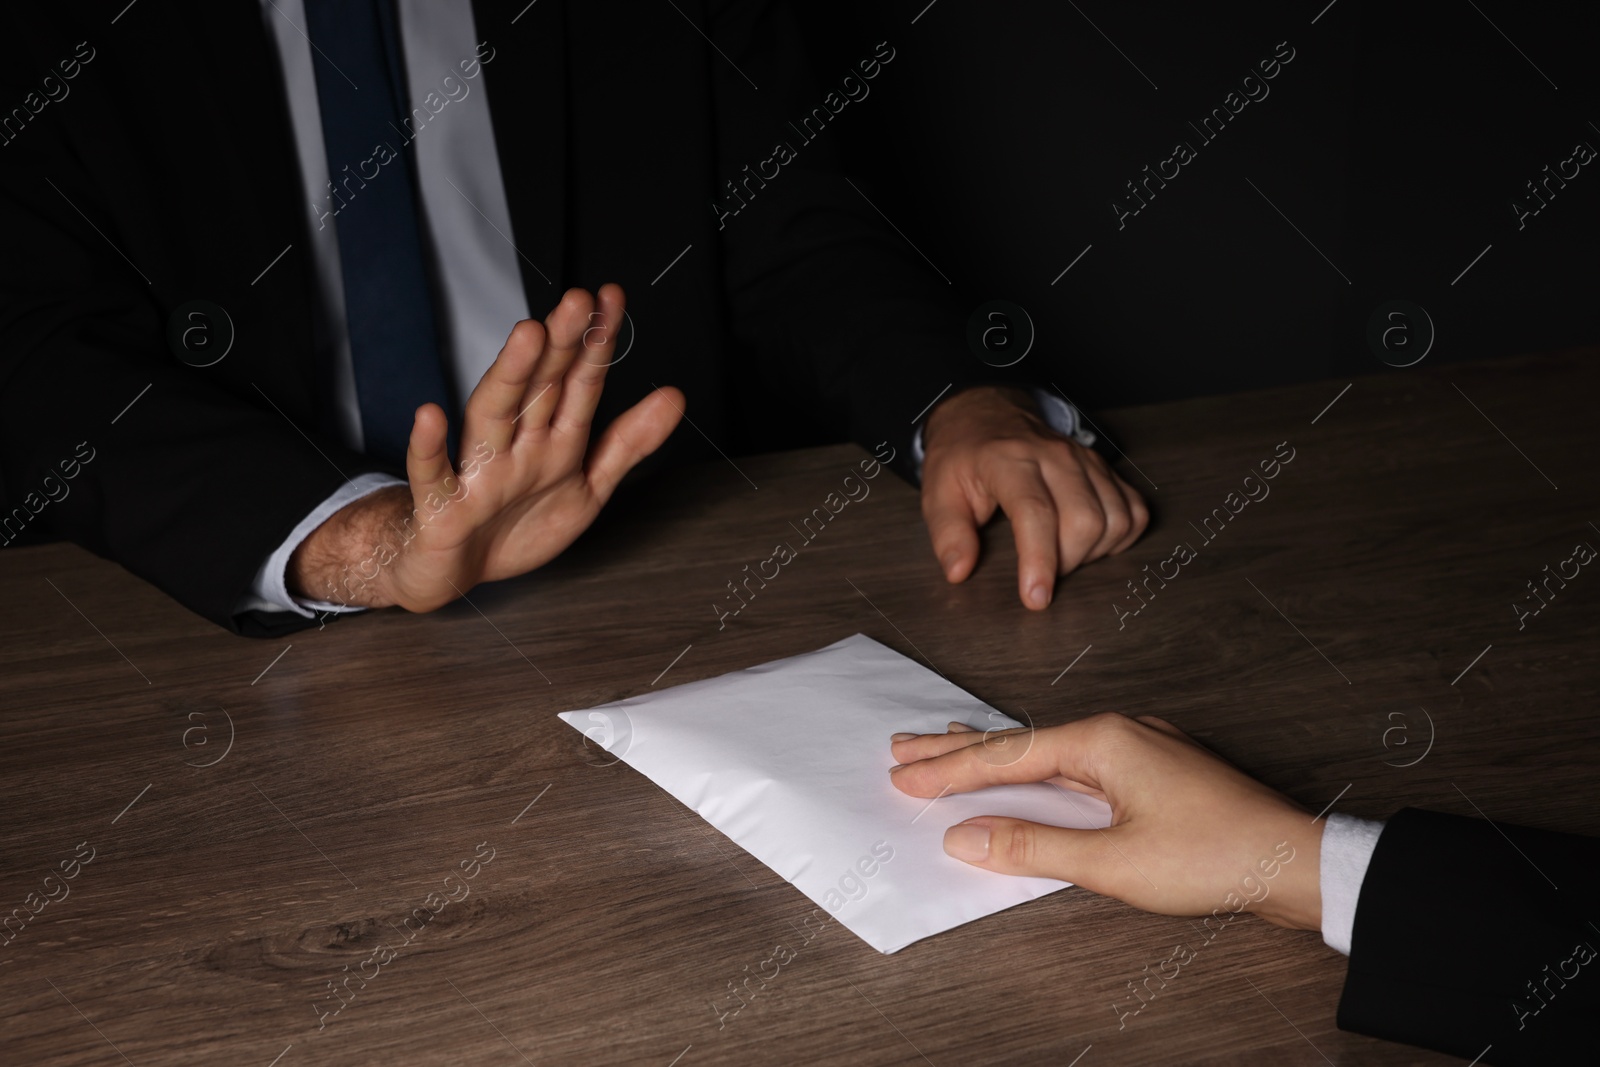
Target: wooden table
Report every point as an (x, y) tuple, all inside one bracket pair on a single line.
[(262, 815)]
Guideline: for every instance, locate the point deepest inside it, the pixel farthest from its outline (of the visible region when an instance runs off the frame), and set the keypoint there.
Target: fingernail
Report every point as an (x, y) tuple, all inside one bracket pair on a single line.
[(902, 737), (1038, 595), (966, 842), (896, 767), (950, 560), (960, 728)]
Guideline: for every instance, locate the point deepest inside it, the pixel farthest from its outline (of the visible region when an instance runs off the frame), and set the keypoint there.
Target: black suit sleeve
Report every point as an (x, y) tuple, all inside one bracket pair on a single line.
[(825, 289), (1472, 935), (188, 477)]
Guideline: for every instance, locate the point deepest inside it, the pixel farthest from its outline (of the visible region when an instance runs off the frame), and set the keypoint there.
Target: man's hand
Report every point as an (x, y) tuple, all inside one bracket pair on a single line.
[(527, 487), (989, 447), (1190, 834)]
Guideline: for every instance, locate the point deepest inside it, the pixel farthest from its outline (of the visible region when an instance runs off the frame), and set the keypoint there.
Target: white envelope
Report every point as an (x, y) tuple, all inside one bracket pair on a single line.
[(790, 759)]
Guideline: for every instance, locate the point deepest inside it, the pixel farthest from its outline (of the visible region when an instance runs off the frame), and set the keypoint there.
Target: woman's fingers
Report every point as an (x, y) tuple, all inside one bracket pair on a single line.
[(963, 762), (908, 748), (1015, 846)]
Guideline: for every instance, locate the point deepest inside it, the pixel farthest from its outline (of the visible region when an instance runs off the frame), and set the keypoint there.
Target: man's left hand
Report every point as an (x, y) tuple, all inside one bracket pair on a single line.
[(989, 447)]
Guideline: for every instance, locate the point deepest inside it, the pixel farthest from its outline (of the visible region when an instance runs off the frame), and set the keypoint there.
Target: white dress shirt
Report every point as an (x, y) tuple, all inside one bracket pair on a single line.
[(1347, 844)]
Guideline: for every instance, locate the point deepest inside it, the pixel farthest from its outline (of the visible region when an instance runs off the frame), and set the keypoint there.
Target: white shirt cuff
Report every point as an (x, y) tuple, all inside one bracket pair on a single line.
[(270, 591), (1062, 417), (1347, 844)]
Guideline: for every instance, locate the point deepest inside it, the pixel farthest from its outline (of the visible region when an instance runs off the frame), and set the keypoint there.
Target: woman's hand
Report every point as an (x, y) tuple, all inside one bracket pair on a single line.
[(1190, 834)]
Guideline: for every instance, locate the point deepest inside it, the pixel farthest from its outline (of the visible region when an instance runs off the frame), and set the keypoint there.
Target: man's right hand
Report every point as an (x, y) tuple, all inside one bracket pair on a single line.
[(527, 487)]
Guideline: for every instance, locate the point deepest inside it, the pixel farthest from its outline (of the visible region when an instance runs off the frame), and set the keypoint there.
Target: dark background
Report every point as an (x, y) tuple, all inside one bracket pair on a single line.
[(1395, 140)]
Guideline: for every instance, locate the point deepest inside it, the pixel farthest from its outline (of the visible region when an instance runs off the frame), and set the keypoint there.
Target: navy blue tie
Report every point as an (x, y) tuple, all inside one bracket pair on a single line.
[(394, 342)]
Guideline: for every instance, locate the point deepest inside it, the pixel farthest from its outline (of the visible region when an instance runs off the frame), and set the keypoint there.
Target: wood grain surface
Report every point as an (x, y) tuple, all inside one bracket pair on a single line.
[(264, 817)]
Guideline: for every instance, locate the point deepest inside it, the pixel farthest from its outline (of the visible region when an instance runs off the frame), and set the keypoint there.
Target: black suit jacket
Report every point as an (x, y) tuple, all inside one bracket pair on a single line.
[(1472, 935), (167, 174)]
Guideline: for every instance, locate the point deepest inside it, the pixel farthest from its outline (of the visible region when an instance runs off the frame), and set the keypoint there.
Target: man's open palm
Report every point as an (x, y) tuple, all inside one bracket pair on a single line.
[(528, 483)]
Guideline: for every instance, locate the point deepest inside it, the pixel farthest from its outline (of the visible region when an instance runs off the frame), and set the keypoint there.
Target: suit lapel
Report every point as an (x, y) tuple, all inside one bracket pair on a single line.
[(526, 75), (247, 120)]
